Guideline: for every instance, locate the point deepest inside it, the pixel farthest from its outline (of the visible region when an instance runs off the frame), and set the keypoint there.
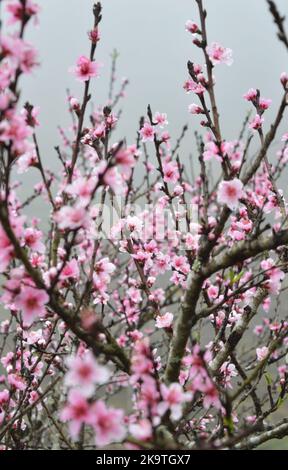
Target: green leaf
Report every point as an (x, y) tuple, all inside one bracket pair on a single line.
[(238, 277), (234, 278), (196, 265), (228, 423), (268, 378)]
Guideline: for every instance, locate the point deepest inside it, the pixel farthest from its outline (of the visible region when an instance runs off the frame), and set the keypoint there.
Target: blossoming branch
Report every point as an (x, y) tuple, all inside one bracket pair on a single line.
[(144, 315)]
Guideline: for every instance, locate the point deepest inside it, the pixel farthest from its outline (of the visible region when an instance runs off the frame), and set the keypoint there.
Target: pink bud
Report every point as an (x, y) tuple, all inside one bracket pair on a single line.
[(74, 103), (264, 103), (201, 78), (197, 68), (94, 35), (284, 79), (195, 109), (192, 27), (251, 95), (256, 123), (197, 42), (178, 190)]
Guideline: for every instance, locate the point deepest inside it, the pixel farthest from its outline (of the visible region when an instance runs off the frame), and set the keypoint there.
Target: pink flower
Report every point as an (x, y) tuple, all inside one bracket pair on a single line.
[(256, 123), (31, 301), (195, 109), (173, 400), (258, 330), (165, 137), (85, 372), (113, 179), (111, 121), (6, 250), (141, 430), (126, 160), (162, 262), (191, 27), (275, 276), (86, 69), (103, 269), (99, 131), (7, 73), (141, 364), (251, 95), (197, 88), (4, 397), (11, 47), (211, 151), (228, 371), (17, 382), (230, 193), (160, 119), (213, 292), (262, 353), (134, 224), (16, 130), (77, 411), (32, 239), (219, 54), (71, 217), (147, 133), (171, 172), (284, 79), (70, 270), (211, 396), (164, 321), (26, 161), (6, 361), (180, 264), (29, 58), (82, 188), (264, 103), (108, 424), (188, 85), (251, 419), (178, 191), (32, 337), (74, 104), (18, 10), (282, 370), (31, 117)]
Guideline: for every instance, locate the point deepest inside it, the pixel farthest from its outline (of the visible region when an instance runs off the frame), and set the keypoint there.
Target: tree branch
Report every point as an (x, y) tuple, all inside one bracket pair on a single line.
[(279, 21)]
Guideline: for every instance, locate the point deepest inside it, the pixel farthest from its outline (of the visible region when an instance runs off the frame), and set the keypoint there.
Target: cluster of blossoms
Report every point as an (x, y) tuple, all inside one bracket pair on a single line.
[(132, 297), (82, 378), (150, 400)]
